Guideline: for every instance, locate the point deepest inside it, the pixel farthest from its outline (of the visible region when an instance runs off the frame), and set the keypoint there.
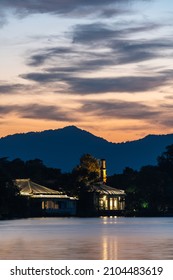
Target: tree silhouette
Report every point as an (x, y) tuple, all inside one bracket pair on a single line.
[(88, 171)]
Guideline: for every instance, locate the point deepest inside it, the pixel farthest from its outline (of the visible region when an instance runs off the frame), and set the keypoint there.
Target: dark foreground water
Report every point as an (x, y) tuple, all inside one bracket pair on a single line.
[(87, 238)]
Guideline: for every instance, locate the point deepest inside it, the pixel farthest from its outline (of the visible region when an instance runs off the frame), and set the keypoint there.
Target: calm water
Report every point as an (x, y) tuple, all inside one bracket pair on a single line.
[(88, 238)]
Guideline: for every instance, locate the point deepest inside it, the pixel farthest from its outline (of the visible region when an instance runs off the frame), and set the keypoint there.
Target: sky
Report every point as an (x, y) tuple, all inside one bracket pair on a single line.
[(103, 66)]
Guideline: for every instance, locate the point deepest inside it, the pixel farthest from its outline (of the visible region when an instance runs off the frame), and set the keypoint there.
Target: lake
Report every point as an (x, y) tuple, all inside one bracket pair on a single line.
[(104, 238)]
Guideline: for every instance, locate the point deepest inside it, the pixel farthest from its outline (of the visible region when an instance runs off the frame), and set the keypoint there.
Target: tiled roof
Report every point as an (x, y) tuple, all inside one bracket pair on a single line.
[(29, 188), (104, 189)]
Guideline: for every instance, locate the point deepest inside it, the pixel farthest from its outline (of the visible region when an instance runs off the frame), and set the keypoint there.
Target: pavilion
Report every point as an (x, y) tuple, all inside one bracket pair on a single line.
[(43, 201), (99, 199)]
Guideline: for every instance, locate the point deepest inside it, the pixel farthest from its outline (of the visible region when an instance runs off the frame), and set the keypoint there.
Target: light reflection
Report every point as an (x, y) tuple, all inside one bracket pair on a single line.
[(109, 248), (107, 238), (109, 220)]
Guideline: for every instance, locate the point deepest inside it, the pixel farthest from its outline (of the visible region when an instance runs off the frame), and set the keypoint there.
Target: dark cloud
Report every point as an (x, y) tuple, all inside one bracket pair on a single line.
[(94, 32), (119, 48), (167, 121), (117, 37), (84, 66), (72, 62), (98, 31), (110, 109), (57, 6), (121, 84), (5, 110), (69, 59), (36, 111), (40, 57), (128, 51), (12, 88), (167, 115), (3, 19), (122, 50), (42, 77), (111, 12), (168, 73), (143, 45), (118, 109), (83, 86)]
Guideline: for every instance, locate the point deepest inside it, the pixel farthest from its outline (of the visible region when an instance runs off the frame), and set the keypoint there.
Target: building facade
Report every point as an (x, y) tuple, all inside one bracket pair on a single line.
[(43, 201), (99, 199)]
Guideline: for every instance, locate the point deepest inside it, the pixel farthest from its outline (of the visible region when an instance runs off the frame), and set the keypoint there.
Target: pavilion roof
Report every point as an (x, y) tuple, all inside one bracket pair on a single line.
[(29, 188), (104, 189)]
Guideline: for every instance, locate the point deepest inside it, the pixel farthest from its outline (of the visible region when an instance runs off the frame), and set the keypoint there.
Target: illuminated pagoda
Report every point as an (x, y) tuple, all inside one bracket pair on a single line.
[(101, 199), (43, 201)]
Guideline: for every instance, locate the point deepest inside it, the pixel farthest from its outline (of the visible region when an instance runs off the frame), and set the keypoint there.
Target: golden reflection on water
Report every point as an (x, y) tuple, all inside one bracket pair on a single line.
[(103, 239), (109, 220), (109, 244), (109, 248)]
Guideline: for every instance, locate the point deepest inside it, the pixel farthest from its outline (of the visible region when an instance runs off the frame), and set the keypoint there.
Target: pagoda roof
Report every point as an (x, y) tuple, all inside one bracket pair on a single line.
[(107, 190), (29, 188)]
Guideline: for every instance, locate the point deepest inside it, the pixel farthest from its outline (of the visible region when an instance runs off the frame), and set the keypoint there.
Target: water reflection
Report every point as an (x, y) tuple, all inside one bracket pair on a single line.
[(109, 244), (109, 248), (96, 238), (109, 220)]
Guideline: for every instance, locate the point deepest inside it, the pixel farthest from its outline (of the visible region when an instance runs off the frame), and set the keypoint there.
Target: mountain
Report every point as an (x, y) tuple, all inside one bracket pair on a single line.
[(62, 148)]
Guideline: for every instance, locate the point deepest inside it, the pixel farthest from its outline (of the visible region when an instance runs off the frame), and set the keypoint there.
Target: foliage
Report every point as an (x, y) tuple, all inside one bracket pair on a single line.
[(88, 171), (149, 191), (8, 198)]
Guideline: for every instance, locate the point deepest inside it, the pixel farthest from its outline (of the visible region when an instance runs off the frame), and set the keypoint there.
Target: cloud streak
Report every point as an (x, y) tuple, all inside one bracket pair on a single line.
[(43, 56), (114, 48), (84, 86), (119, 109), (101, 32), (36, 111), (59, 6), (6, 88), (120, 48), (112, 109)]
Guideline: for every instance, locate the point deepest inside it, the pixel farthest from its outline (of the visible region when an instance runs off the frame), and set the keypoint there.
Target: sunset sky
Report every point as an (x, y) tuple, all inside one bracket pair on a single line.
[(104, 66)]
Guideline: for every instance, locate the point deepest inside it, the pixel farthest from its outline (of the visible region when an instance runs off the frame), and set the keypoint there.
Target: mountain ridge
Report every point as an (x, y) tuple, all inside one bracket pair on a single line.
[(85, 131), (62, 148)]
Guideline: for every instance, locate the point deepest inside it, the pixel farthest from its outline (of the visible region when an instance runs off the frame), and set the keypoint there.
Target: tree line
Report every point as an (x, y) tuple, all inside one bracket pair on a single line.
[(149, 191)]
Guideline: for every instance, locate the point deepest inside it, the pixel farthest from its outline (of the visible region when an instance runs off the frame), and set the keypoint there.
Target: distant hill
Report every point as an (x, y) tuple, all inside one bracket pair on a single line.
[(62, 148)]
